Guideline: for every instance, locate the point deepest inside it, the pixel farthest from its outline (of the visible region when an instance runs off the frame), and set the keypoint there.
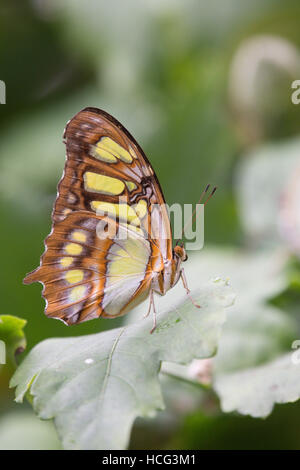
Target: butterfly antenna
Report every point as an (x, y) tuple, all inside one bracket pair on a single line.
[(211, 195), (204, 192)]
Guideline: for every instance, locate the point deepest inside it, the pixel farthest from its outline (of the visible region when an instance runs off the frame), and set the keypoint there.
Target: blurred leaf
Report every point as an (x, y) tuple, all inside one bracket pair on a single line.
[(253, 369), (255, 391), (289, 298), (248, 366), (261, 178), (95, 386), (259, 97), (24, 431), (256, 331), (11, 332)]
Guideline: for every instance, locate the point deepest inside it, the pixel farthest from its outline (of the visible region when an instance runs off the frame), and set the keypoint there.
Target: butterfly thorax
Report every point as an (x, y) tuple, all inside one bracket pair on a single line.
[(170, 274)]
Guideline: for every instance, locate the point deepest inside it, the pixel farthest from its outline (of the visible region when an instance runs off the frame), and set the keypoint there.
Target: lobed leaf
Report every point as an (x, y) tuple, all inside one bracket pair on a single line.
[(95, 386)]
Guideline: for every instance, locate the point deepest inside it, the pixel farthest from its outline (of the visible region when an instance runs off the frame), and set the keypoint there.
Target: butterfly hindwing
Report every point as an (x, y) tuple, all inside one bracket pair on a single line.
[(82, 272)]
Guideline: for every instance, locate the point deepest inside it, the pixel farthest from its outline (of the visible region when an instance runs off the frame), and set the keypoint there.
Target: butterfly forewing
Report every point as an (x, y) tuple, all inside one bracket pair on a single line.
[(107, 181)]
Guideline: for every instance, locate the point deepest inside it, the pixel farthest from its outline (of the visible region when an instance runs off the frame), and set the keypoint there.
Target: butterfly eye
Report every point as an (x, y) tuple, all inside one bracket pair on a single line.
[(180, 252)]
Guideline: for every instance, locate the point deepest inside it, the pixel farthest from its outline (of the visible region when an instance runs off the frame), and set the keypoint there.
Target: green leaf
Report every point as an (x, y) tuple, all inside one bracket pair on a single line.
[(95, 386), (11, 333)]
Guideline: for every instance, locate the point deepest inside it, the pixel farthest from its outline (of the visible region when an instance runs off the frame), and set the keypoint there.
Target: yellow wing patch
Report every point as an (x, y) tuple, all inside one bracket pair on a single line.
[(124, 266), (101, 154), (130, 185), (141, 208), (103, 184), (77, 293), (132, 152), (109, 145), (122, 211), (74, 275), (125, 271), (66, 261), (73, 249), (79, 236)]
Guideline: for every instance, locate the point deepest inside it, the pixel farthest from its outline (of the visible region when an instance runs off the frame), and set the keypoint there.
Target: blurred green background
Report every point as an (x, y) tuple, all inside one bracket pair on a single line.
[(205, 87)]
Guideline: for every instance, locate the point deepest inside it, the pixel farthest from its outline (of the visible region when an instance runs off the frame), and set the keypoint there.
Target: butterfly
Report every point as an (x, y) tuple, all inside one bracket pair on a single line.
[(108, 187)]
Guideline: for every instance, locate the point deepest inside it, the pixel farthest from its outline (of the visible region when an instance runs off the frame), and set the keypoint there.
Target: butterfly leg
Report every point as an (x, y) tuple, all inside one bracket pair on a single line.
[(184, 282), (151, 304), (154, 315)]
